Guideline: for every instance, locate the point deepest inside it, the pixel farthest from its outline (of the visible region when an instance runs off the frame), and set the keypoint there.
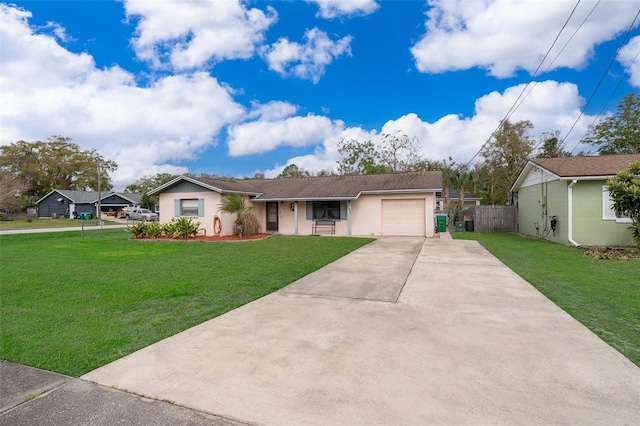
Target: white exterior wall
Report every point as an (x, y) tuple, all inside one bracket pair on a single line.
[(366, 213), (212, 202)]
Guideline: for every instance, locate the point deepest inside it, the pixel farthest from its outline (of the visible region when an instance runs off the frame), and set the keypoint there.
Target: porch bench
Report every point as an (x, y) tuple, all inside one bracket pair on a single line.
[(326, 224)]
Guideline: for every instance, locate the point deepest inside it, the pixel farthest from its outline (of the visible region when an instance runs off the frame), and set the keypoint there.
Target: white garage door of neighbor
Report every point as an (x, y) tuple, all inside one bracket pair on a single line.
[(403, 217)]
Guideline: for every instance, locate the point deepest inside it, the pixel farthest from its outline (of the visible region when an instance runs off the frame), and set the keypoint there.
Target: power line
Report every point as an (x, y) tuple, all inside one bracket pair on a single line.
[(533, 85), (525, 87), (604, 75)]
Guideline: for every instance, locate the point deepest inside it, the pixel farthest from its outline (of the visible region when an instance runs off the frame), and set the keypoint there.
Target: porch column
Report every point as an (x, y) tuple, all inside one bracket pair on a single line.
[(349, 217), (295, 218)]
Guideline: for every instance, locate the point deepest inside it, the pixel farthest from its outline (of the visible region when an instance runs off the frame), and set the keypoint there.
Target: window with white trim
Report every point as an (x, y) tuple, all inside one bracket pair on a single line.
[(607, 208)]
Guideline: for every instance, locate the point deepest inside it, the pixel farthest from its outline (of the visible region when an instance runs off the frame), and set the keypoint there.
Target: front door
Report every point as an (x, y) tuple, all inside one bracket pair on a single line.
[(272, 217)]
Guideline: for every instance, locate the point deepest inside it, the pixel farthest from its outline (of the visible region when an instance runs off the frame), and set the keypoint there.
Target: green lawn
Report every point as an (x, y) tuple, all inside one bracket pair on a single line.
[(604, 295), (71, 304), (38, 223)]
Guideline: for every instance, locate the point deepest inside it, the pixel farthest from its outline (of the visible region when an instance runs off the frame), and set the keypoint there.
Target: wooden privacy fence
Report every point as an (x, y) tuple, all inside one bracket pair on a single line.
[(491, 218)]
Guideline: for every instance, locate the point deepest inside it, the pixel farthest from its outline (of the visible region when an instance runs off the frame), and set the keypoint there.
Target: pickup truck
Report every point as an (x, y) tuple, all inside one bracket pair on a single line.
[(137, 213)]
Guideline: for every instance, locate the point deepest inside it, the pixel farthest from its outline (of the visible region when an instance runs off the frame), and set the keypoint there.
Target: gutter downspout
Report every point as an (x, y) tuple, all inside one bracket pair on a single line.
[(295, 218), (349, 218), (570, 212)]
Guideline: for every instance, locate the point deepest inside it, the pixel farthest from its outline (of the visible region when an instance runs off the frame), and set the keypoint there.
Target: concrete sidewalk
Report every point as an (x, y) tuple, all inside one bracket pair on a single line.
[(33, 397), (67, 229), (439, 332)]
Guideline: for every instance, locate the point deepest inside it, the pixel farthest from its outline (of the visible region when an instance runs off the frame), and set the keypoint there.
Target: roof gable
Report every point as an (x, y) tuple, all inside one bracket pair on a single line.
[(90, 197), (602, 165), (579, 168)]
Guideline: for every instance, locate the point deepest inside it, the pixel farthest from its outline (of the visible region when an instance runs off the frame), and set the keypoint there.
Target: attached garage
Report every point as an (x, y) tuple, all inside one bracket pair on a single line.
[(403, 217)]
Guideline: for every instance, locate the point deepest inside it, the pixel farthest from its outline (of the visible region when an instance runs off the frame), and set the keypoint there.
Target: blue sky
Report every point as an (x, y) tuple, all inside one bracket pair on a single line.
[(235, 88)]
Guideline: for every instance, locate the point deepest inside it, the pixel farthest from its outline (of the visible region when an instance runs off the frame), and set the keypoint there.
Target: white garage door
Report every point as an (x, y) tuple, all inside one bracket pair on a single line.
[(403, 217)]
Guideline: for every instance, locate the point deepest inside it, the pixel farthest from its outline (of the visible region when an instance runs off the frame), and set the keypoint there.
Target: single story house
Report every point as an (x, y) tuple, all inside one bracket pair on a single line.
[(67, 203), (470, 199), (374, 205), (566, 200)]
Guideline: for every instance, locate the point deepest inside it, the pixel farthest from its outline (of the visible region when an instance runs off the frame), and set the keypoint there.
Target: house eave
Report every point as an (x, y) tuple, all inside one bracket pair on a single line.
[(289, 199), (202, 184), (601, 177), (51, 192), (399, 191)]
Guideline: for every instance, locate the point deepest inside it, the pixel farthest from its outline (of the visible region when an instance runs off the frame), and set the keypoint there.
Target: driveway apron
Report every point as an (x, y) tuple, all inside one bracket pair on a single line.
[(403, 331)]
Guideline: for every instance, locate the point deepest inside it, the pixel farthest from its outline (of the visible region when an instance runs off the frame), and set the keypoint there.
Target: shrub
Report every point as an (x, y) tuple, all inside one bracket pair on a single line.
[(153, 229), (138, 230), (248, 223), (182, 227)]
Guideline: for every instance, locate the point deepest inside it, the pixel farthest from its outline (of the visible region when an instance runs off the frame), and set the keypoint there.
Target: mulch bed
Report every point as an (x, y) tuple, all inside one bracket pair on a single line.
[(620, 253), (214, 239)]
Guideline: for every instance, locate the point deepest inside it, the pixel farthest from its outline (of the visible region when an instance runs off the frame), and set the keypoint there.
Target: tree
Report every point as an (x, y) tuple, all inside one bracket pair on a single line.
[(55, 164), (465, 179), (398, 152), (146, 184), (620, 132), (551, 146), (11, 188), (247, 222), (448, 181), (505, 156), (360, 158), (624, 190), (293, 171)]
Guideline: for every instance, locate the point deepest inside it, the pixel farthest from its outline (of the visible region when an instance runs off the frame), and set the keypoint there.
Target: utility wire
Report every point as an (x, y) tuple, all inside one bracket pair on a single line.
[(533, 85), (604, 75), (525, 87)]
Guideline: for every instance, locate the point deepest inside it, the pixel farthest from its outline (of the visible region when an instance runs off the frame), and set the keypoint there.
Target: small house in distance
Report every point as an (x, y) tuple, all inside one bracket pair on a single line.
[(70, 204), (566, 200)]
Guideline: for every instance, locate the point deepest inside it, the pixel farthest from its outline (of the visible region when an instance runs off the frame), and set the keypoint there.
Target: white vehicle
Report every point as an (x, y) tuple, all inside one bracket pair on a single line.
[(136, 213)]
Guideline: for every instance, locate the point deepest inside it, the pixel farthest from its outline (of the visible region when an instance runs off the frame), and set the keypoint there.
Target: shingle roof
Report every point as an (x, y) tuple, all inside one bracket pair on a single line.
[(328, 187), (88, 197), (602, 165)]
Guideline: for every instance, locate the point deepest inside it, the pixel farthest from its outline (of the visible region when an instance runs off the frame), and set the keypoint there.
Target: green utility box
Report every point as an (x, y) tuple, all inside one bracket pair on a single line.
[(441, 222), (459, 226), (85, 216)]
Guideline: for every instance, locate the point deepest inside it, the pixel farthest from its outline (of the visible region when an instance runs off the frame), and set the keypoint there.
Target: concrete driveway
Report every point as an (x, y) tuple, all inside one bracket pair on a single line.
[(403, 331)]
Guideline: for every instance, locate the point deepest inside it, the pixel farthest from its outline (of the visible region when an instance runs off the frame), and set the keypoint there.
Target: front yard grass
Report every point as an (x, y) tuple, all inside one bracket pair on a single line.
[(604, 295), (71, 304)]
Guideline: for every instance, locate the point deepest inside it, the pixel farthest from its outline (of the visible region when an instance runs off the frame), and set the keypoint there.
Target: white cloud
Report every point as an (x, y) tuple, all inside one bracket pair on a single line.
[(550, 106), (274, 110), (333, 8), (262, 136), (306, 61), (503, 36), (629, 57), (193, 33), (48, 90)]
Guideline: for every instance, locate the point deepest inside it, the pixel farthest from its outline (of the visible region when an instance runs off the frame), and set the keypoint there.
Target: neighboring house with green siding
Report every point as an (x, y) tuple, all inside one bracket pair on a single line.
[(565, 200)]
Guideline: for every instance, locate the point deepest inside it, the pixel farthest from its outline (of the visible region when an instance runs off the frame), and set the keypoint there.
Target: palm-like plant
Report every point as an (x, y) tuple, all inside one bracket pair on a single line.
[(246, 220), (466, 179)]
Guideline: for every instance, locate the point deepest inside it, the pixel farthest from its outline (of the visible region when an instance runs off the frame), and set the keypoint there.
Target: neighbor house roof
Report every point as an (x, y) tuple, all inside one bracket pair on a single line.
[(580, 168), (89, 197), (454, 194), (320, 187)]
